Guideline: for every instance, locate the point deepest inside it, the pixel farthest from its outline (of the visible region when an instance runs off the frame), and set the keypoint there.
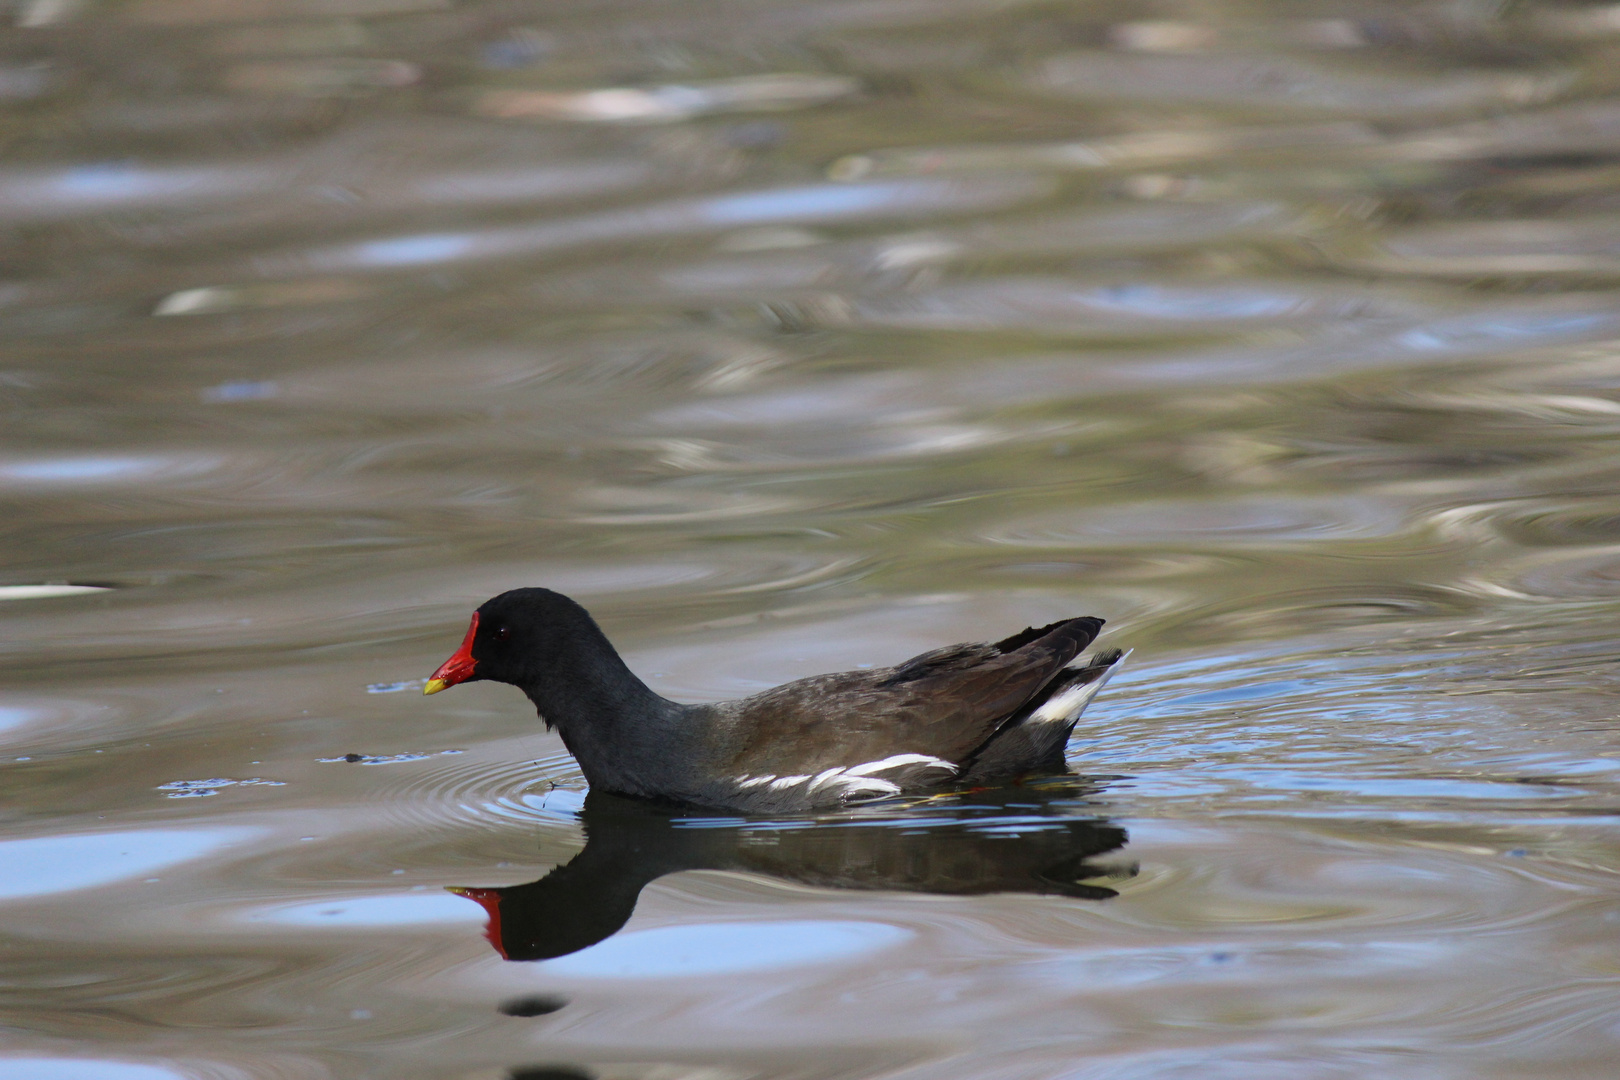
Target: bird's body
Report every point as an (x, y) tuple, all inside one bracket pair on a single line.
[(968, 714)]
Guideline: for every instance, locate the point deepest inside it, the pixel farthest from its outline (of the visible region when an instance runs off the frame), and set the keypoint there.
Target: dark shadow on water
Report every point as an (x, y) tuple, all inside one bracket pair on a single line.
[(549, 1072), (1032, 839)]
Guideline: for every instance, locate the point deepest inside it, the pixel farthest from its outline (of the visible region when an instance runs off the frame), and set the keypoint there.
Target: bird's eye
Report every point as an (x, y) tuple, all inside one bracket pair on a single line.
[(502, 634)]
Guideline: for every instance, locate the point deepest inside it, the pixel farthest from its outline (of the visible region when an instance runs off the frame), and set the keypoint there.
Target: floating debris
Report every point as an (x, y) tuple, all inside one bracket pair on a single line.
[(373, 759), (384, 759), (395, 687), (47, 591), (666, 104), (201, 789)]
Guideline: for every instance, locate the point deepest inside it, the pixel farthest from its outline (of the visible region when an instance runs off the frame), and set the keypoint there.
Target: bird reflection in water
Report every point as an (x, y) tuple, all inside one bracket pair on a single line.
[(1023, 839)]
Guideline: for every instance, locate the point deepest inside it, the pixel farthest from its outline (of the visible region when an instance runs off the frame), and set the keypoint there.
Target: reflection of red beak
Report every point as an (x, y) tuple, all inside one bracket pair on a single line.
[(458, 668), (490, 901)]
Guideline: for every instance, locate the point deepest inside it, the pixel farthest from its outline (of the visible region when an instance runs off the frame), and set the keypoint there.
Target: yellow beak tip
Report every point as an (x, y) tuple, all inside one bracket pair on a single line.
[(434, 686)]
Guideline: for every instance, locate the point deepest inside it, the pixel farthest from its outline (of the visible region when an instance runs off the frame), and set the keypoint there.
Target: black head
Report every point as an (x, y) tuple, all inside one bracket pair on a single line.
[(520, 637)]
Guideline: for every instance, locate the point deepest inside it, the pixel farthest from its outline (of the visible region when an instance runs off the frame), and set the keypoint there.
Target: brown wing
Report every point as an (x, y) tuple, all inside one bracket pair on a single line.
[(944, 703)]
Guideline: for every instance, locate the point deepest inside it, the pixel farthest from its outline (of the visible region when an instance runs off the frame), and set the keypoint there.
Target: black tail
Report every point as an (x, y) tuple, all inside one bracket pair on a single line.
[(1083, 630)]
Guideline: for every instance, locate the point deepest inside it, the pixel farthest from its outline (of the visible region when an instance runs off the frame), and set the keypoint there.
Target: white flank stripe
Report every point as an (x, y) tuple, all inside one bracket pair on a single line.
[(899, 761), (865, 785), (855, 781), (824, 778)]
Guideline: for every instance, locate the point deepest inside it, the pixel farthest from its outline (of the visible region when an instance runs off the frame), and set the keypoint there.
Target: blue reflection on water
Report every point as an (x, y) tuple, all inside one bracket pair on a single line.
[(416, 250), (11, 716), (724, 948), (1242, 693), (348, 913), (1169, 303), (1404, 787), (811, 201), (46, 1068), (69, 470), (102, 180), (1475, 331), (53, 864)]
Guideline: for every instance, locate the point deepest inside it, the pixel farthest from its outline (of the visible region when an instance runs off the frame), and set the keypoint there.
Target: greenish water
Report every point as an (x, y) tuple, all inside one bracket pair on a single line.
[(790, 337)]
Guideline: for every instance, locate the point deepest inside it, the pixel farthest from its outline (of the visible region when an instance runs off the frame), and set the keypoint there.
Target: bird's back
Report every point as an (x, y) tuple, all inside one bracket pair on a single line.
[(862, 734)]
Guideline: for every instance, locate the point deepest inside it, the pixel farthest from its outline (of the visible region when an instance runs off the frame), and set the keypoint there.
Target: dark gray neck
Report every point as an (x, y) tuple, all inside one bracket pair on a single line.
[(626, 737)]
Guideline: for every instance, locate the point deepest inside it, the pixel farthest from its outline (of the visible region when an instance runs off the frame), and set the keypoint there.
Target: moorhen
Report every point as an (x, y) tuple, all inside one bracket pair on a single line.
[(973, 714)]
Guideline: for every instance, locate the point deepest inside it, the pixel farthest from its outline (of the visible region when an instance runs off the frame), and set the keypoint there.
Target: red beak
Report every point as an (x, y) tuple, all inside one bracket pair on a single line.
[(459, 668)]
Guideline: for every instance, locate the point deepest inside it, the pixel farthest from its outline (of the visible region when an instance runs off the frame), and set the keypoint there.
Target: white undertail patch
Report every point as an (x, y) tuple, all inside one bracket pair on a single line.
[(1066, 707)]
